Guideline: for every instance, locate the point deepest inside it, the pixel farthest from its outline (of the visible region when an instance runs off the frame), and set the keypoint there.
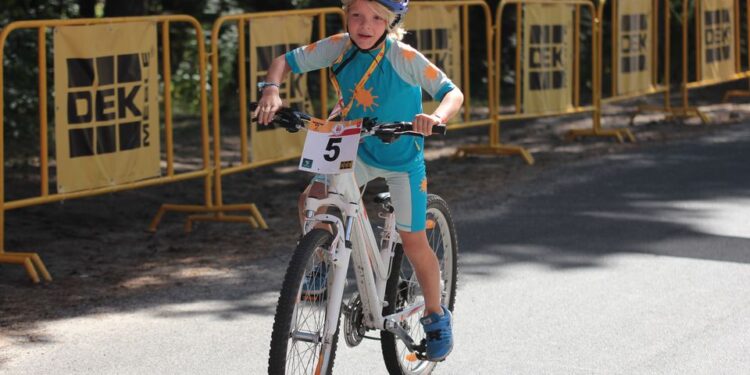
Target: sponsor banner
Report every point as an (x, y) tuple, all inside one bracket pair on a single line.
[(635, 46), (269, 142), (547, 58), (106, 105), (717, 41), (435, 31)]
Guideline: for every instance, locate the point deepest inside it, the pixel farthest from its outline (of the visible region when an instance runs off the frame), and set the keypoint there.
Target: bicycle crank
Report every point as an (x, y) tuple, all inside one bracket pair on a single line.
[(354, 329)]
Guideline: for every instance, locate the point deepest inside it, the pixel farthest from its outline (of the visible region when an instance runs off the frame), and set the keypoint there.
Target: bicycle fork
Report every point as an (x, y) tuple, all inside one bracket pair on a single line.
[(340, 255)]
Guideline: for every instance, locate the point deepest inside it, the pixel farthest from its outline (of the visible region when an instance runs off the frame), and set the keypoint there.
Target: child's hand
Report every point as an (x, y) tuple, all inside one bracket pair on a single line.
[(423, 123), (268, 104)]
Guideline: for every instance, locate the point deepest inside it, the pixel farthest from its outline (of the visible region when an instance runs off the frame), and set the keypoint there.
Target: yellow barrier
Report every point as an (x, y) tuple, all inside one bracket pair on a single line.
[(466, 6), (742, 93), (215, 212), (656, 88), (495, 147), (597, 131), (686, 110), (30, 260)]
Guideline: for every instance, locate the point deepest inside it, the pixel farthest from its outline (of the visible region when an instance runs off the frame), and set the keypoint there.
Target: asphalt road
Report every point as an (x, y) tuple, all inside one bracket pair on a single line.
[(636, 263)]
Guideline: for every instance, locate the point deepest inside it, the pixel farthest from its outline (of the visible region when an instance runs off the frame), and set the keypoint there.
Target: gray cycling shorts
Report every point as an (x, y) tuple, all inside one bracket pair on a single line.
[(408, 192)]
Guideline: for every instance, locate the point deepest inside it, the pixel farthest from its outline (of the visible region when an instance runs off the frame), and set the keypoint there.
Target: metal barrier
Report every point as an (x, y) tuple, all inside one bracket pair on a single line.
[(519, 114), (495, 147), (598, 36), (216, 212), (656, 88), (466, 6), (31, 261), (700, 17), (742, 93)]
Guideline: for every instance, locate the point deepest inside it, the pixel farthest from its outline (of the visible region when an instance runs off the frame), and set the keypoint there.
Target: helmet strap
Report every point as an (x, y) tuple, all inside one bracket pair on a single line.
[(396, 21)]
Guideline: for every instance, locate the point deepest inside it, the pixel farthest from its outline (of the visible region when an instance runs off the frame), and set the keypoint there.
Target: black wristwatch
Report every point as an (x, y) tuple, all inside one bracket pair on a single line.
[(262, 85)]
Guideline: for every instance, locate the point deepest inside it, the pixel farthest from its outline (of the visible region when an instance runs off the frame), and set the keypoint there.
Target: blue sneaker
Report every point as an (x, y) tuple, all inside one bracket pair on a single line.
[(316, 282), (439, 332)]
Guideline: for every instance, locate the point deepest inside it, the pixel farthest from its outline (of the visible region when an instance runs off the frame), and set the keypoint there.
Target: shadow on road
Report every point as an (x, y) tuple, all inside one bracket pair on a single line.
[(689, 200)]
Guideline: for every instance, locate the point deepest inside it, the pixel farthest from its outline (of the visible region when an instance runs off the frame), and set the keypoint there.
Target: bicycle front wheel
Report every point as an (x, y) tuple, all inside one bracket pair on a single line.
[(403, 289), (298, 343)]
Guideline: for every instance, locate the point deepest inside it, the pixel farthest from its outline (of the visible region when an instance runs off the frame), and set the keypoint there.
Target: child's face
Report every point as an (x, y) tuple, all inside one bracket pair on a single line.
[(365, 25)]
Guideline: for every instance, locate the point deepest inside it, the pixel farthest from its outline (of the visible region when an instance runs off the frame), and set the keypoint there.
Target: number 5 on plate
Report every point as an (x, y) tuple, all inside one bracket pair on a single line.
[(330, 146)]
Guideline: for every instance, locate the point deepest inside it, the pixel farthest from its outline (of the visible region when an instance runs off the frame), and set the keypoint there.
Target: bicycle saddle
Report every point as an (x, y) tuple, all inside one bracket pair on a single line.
[(383, 198)]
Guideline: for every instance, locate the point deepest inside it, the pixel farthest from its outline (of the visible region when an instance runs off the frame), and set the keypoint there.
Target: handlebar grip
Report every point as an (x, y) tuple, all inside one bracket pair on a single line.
[(440, 129)]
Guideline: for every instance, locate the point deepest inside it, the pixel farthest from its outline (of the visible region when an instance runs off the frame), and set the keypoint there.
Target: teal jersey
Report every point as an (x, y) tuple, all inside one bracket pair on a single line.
[(393, 92)]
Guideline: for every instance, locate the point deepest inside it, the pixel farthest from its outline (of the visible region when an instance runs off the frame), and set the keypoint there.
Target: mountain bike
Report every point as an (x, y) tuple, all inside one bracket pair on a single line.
[(387, 297)]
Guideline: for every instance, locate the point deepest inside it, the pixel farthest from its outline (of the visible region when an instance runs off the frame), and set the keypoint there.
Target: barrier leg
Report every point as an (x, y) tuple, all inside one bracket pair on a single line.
[(673, 113), (736, 94), (30, 261), (619, 134), (495, 150), (216, 214)]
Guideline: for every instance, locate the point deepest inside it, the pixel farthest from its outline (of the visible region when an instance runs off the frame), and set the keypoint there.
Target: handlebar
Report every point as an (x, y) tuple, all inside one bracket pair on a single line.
[(293, 121)]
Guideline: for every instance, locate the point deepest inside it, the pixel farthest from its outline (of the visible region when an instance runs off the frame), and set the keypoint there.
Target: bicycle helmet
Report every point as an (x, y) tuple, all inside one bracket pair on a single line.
[(399, 7)]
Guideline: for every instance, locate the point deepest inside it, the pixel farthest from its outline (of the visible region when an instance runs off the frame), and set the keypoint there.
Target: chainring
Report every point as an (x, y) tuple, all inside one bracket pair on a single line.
[(354, 329)]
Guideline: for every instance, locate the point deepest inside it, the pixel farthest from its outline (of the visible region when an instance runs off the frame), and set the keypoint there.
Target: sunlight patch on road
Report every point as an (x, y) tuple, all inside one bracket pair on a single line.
[(143, 281), (722, 217)]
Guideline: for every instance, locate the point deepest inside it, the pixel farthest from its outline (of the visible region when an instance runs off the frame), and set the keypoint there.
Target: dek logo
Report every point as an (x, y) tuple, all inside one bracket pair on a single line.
[(717, 35), (634, 43), (546, 57), (103, 94)]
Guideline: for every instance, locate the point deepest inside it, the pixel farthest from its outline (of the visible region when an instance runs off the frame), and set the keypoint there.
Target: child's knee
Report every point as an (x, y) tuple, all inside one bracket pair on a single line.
[(317, 190), (414, 241)]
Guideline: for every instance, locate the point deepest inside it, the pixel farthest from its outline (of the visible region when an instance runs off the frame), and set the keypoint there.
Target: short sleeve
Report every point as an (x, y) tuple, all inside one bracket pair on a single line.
[(415, 68), (318, 55)]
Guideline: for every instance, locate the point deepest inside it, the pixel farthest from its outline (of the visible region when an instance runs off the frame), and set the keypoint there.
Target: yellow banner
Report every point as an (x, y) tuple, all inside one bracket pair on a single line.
[(717, 41), (106, 105), (289, 32), (435, 31), (547, 62), (635, 46)]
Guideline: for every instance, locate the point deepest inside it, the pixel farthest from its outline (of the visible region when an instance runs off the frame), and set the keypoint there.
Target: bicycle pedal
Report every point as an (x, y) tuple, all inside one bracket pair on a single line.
[(415, 356), (420, 351)]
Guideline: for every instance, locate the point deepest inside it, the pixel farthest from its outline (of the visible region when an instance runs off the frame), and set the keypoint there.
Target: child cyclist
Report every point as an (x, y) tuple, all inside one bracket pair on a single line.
[(378, 76)]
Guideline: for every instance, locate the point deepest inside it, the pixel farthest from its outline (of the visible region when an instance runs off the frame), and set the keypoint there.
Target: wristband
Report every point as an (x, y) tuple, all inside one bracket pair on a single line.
[(262, 85)]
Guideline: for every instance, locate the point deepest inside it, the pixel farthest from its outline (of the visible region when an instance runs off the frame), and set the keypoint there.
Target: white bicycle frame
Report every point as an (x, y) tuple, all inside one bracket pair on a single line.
[(354, 239)]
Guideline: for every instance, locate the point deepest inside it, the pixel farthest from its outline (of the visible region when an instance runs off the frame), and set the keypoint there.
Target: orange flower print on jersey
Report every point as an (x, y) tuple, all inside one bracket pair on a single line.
[(431, 72), (364, 98), (337, 38), (423, 185), (311, 47), (409, 54)]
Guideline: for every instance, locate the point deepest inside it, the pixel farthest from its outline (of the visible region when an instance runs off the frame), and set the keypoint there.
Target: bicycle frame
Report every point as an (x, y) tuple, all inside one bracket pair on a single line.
[(354, 239)]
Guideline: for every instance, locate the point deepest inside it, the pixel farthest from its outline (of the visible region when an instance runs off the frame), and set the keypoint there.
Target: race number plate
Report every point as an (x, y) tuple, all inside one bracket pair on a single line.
[(330, 146)]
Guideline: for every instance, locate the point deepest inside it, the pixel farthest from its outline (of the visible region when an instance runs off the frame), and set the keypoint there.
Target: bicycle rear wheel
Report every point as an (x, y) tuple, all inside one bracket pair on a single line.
[(403, 288), (297, 340)]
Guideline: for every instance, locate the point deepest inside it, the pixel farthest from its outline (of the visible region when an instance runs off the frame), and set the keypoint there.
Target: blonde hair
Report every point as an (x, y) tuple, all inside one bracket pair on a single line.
[(397, 31)]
